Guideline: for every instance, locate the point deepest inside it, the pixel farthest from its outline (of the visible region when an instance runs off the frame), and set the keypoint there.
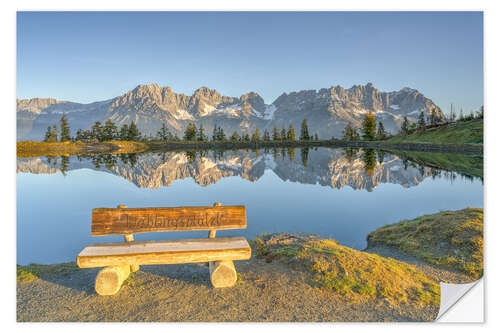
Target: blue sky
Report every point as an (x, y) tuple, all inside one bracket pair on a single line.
[(86, 57)]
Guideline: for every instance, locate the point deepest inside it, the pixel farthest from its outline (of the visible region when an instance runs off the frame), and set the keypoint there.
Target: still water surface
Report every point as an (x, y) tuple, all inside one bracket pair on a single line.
[(337, 193)]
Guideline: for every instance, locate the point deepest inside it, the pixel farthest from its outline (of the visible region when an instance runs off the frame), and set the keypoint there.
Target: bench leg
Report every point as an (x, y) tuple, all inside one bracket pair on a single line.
[(222, 273), (110, 279)]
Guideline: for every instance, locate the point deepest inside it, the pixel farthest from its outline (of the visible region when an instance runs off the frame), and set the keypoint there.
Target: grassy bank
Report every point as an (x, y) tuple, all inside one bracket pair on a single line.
[(32, 149), (450, 239), (349, 272), (468, 132)]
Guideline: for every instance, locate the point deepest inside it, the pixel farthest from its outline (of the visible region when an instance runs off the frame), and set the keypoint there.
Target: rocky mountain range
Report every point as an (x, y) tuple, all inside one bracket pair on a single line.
[(327, 110), (325, 167)]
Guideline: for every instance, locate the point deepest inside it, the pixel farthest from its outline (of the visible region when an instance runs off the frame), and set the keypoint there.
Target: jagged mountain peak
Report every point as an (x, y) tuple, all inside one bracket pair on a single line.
[(327, 110)]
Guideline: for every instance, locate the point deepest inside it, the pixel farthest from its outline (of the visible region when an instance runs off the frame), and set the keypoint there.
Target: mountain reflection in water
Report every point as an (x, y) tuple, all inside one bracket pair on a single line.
[(362, 169)]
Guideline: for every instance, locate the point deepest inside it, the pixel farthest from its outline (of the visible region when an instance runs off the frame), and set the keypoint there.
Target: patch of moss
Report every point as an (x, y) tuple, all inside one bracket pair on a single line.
[(349, 272), (451, 239)]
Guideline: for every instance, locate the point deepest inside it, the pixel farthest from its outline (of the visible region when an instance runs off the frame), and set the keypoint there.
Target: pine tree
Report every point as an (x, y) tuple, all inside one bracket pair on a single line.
[(109, 131), (421, 122), (96, 130), (276, 133), (256, 135), (283, 134), (201, 134), (190, 132), (290, 135), (245, 137), (316, 137), (381, 131), (214, 134), (163, 134), (369, 126), (267, 136), (235, 137), (404, 126), (47, 134), (123, 132), (79, 135), (304, 131), (133, 132), (65, 133), (221, 136), (350, 133)]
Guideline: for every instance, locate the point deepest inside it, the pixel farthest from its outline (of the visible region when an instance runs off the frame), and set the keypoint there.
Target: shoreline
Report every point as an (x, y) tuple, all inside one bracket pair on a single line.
[(290, 277), (33, 149)]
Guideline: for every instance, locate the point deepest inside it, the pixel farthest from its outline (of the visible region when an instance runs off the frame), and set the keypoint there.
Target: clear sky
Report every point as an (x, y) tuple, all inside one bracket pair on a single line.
[(86, 57)]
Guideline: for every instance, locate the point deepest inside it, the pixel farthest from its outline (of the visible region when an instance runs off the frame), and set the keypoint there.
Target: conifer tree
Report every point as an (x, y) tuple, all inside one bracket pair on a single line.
[(276, 133), (133, 132), (65, 133), (421, 122), (201, 134), (163, 134), (235, 137), (214, 133), (256, 135), (221, 136), (96, 130), (47, 134), (190, 132), (316, 137), (405, 126), (245, 137), (304, 131), (350, 133), (283, 134), (381, 131), (369, 126), (290, 135), (267, 136), (123, 132), (109, 131)]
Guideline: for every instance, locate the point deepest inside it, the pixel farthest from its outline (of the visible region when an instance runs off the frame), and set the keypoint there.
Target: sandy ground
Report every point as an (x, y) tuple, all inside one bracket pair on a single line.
[(265, 292)]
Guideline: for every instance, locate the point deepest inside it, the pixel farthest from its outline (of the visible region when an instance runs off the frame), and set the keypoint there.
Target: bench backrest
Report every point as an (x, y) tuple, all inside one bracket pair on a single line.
[(127, 221)]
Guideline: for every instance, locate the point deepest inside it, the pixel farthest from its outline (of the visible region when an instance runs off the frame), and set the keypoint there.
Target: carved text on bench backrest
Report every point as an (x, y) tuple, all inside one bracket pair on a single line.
[(120, 221)]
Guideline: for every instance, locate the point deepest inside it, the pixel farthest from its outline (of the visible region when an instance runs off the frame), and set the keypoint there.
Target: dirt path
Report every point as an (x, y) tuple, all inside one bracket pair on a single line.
[(265, 292)]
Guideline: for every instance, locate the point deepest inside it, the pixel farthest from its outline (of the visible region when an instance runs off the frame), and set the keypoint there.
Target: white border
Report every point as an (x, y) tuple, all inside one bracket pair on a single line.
[(8, 94)]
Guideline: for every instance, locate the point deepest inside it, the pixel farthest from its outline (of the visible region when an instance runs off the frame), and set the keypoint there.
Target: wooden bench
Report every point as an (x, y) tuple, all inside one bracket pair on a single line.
[(119, 259)]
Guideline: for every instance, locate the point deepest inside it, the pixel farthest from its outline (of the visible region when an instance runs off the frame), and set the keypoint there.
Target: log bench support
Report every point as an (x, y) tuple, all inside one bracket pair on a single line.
[(110, 279), (120, 259)]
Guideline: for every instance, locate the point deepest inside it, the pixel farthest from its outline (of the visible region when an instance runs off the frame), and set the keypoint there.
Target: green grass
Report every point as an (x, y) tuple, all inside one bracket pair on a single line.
[(355, 274), (457, 133), (451, 239)]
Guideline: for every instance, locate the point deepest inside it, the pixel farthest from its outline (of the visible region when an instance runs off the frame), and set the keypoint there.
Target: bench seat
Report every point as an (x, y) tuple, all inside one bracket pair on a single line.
[(164, 252)]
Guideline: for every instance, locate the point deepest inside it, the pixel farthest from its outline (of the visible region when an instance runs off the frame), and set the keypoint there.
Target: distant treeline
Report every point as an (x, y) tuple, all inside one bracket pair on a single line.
[(369, 131)]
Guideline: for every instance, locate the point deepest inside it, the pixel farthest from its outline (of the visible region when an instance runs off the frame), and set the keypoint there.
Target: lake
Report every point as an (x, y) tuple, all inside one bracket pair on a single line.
[(338, 193)]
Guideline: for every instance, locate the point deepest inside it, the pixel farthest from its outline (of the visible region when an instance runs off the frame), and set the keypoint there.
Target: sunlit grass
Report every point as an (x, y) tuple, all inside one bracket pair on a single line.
[(458, 133), (349, 272), (33, 149), (452, 239)]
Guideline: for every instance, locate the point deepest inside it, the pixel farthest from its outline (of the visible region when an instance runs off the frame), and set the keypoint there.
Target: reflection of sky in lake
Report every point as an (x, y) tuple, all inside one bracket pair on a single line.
[(54, 211)]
